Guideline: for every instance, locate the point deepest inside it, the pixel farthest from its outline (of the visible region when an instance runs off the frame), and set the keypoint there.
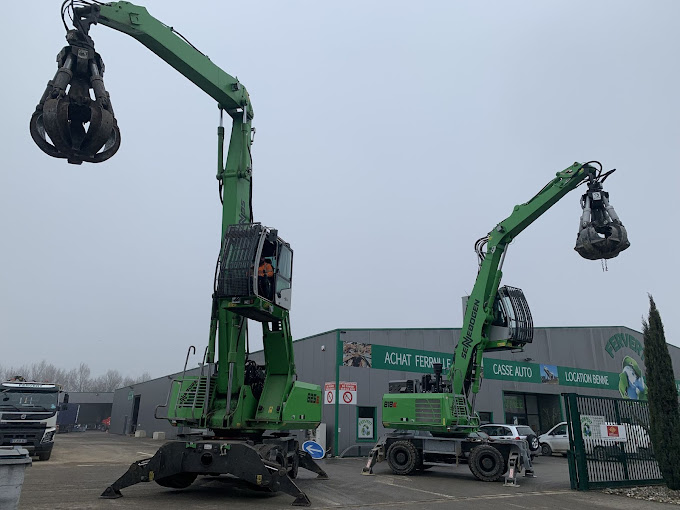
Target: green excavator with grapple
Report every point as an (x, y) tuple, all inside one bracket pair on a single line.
[(434, 420), (248, 410)]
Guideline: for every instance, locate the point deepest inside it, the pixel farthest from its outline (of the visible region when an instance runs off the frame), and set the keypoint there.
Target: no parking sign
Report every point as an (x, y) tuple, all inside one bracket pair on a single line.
[(347, 393)]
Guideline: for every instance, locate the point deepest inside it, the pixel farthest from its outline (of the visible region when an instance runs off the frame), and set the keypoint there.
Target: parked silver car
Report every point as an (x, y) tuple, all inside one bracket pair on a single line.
[(504, 431)]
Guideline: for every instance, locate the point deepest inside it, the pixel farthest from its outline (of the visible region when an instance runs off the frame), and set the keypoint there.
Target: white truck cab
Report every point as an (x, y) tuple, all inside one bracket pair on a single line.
[(28, 415)]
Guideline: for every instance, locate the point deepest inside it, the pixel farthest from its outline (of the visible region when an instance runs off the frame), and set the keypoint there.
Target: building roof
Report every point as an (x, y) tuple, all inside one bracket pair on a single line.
[(90, 397)]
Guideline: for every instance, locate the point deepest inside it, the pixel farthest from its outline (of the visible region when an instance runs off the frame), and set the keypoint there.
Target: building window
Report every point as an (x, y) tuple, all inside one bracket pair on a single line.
[(485, 417), (365, 423), (539, 411)]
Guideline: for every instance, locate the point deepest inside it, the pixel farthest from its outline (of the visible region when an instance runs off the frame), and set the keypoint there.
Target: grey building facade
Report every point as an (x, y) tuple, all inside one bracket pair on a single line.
[(519, 387)]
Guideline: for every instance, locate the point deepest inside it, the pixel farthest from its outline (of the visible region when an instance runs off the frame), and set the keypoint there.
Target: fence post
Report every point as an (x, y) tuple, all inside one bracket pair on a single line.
[(576, 444), (622, 446)]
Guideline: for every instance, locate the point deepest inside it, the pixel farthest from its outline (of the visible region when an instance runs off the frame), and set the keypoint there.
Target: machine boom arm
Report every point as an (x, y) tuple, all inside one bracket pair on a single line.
[(161, 39), (466, 372)]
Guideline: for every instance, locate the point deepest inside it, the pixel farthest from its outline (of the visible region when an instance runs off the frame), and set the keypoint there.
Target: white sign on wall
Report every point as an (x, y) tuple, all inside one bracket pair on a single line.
[(591, 426), (365, 428), (347, 393)]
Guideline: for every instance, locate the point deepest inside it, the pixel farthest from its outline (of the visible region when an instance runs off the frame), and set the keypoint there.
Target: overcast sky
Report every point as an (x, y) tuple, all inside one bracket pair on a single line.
[(390, 136)]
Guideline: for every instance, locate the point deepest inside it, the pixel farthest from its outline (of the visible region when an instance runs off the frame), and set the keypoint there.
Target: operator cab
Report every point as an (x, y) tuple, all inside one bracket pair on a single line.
[(512, 318), (255, 268)]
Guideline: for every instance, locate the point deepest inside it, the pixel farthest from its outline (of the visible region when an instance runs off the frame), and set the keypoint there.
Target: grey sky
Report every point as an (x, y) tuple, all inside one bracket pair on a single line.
[(390, 136)]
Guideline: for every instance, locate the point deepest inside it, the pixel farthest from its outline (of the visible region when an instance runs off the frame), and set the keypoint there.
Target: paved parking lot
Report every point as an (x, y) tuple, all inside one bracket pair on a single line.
[(84, 464)]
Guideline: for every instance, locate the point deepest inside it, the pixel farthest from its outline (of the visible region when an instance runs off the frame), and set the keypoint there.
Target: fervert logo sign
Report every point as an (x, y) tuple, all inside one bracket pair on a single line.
[(623, 341), (630, 381)]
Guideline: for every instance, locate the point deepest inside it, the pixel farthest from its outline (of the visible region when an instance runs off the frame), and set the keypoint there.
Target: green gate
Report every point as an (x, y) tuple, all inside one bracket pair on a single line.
[(609, 443)]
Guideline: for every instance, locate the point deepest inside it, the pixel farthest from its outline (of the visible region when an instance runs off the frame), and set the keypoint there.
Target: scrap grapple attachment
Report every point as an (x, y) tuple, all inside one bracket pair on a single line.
[(68, 123), (601, 234)]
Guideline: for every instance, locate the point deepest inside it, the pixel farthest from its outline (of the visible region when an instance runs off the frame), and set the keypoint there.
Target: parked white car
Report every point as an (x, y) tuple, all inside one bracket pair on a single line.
[(637, 443), (503, 431), (556, 440)]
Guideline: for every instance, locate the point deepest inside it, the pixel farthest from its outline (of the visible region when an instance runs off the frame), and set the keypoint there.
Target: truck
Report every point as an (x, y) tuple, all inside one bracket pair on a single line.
[(434, 420), (28, 415), (67, 419), (248, 411)]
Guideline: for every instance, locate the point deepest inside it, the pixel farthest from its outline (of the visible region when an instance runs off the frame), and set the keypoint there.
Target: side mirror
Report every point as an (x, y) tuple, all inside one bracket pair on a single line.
[(65, 398)]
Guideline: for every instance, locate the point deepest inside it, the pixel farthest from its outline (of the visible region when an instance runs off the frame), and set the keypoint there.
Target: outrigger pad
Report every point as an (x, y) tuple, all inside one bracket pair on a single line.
[(68, 123), (176, 464), (601, 234)]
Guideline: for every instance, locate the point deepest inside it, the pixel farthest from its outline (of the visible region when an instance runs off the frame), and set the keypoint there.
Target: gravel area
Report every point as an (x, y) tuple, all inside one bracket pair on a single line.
[(659, 493)]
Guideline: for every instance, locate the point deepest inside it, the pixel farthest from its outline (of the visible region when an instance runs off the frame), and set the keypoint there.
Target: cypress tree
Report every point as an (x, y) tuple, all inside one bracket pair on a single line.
[(663, 398)]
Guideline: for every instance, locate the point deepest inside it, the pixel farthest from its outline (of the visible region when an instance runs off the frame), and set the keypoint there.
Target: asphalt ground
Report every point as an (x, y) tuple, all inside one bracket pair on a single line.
[(83, 464)]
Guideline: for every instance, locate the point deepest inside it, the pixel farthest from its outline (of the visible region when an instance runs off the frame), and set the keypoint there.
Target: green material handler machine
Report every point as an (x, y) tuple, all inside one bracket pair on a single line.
[(435, 421), (248, 410)]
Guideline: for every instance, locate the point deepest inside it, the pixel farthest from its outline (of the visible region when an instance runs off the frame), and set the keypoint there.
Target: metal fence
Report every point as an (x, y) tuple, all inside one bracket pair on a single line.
[(609, 442)]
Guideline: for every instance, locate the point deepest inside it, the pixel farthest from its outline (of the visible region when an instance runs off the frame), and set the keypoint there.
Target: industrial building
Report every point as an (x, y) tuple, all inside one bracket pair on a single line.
[(521, 387), (89, 408)]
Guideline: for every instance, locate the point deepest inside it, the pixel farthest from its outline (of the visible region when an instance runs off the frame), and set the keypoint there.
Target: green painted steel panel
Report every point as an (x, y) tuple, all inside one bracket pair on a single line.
[(511, 370), (409, 360), (588, 378)]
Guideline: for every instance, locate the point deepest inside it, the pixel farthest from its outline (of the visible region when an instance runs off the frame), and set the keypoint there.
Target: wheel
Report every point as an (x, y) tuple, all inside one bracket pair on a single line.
[(600, 453), (403, 457), (177, 481), (533, 442), (486, 463), (546, 450), (294, 465), (44, 455)]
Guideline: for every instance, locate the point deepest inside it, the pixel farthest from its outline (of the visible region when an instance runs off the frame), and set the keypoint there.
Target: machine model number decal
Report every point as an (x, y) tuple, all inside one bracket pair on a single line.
[(389, 404), (467, 340)]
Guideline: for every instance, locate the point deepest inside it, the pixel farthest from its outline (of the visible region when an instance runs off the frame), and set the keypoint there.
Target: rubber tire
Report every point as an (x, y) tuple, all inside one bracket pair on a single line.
[(403, 457), (532, 440), (546, 450), (43, 456), (178, 481), (486, 463), (294, 466), (600, 453)]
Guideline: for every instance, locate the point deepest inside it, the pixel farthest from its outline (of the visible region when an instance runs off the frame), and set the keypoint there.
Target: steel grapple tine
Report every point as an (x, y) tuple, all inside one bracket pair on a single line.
[(601, 234), (67, 122)]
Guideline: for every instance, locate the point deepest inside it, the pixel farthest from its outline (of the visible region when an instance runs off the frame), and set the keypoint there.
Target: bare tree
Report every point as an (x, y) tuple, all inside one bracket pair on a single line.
[(110, 381), (76, 379), (82, 379)]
